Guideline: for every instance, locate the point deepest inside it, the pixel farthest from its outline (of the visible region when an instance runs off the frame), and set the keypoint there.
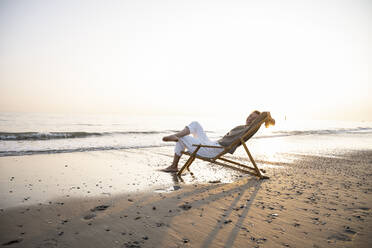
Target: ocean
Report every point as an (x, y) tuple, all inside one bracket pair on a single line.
[(32, 133), (55, 156)]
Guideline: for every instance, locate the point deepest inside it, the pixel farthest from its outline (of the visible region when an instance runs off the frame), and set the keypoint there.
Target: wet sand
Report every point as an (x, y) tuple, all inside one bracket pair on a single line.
[(312, 202)]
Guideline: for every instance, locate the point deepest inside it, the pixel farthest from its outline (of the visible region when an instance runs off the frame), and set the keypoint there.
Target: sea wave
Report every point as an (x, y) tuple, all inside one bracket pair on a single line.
[(5, 136), (28, 147), (30, 136), (320, 132), (69, 150)]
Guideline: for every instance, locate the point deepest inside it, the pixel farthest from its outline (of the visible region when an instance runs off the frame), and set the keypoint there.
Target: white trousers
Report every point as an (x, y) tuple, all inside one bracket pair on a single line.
[(198, 137)]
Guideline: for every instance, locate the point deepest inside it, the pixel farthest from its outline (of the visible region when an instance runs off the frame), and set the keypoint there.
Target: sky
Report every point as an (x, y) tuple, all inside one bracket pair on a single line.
[(300, 59)]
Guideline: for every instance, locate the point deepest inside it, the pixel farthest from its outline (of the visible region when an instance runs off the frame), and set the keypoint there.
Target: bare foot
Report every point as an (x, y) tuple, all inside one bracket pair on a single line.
[(170, 169), (172, 137)]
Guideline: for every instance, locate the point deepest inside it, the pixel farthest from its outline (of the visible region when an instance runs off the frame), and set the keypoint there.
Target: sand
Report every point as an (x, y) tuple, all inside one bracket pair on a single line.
[(312, 202)]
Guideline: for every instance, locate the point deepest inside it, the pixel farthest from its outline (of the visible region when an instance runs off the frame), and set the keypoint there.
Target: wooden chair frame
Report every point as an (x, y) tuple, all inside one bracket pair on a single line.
[(242, 167)]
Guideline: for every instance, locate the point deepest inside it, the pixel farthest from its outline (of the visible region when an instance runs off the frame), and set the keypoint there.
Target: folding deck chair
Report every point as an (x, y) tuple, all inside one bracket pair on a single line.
[(254, 127)]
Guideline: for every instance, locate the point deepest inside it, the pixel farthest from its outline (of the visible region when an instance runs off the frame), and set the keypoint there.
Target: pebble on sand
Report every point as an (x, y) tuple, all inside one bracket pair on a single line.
[(14, 241), (100, 208), (89, 216), (185, 206)]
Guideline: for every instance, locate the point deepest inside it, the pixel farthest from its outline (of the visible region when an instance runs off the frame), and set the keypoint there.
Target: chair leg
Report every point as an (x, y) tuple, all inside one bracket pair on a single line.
[(189, 161), (252, 160), (188, 166)]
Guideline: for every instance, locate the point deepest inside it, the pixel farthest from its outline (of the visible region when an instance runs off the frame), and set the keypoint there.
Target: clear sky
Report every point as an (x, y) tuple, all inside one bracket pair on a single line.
[(296, 58)]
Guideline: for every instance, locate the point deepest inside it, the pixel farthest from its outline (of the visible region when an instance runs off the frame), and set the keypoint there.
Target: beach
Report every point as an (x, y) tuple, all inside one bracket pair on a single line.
[(309, 201), (98, 99)]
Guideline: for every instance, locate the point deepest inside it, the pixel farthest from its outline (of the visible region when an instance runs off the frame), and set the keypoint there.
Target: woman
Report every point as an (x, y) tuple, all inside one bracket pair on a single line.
[(184, 140)]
